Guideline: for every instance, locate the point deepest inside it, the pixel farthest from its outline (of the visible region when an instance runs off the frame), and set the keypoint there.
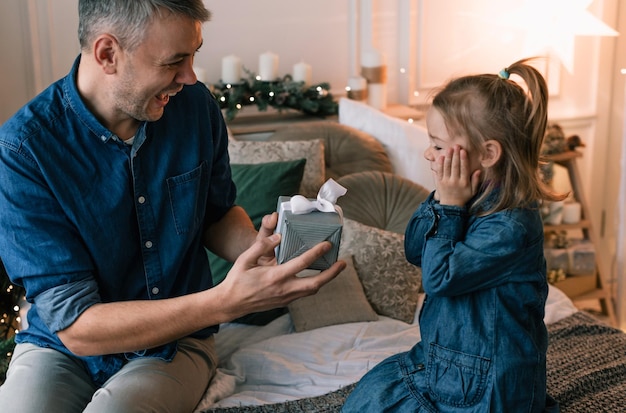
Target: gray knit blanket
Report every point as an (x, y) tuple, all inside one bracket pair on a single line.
[(586, 372)]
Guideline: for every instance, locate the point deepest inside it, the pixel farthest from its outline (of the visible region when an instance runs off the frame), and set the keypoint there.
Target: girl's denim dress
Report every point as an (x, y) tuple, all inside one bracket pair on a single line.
[(483, 339)]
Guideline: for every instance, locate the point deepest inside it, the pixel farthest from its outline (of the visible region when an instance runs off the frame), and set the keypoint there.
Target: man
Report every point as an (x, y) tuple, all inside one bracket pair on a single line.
[(114, 180)]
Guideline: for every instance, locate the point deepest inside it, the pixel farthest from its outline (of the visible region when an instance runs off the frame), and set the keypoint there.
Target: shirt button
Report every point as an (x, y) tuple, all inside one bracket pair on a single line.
[(155, 290), (148, 244), (103, 138), (141, 199)]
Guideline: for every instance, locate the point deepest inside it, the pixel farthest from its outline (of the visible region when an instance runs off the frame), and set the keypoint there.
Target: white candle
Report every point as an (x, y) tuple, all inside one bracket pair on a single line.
[(302, 72), (556, 213), (571, 213), (231, 69), (268, 66), (372, 58), (374, 69), (377, 95), (357, 88), (200, 74), (356, 83)]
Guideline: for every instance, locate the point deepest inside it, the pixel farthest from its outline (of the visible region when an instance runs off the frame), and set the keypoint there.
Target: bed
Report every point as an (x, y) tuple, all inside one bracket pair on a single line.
[(308, 357), (273, 369)]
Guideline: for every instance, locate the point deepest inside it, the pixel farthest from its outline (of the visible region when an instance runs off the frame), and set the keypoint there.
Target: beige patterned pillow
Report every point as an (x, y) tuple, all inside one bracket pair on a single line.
[(390, 282), (254, 152)]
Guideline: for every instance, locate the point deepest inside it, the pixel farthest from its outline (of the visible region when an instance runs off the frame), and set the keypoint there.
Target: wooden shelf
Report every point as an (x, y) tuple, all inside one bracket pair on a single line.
[(582, 287), (251, 121), (583, 224), (577, 285)]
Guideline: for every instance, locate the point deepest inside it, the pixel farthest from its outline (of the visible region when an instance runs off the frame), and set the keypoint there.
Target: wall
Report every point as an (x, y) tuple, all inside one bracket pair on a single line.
[(425, 42), (38, 45), (15, 67), (311, 31)]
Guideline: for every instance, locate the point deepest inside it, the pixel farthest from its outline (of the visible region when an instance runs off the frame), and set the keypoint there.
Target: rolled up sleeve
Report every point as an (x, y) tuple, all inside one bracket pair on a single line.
[(60, 306)]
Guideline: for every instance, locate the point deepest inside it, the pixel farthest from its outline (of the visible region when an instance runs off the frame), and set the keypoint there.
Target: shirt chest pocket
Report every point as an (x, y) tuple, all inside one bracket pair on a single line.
[(188, 196), (455, 378)]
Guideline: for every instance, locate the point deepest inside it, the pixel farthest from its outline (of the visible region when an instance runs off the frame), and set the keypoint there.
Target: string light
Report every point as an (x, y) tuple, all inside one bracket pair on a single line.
[(10, 320), (282, 93)]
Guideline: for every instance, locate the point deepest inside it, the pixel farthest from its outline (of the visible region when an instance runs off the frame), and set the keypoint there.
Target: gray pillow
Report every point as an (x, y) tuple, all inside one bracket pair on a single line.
[(340, 301), (346, 149), (390, 282)]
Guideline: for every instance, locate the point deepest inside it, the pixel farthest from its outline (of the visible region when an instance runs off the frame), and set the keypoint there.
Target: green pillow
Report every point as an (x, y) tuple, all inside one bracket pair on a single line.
[(258, 189)]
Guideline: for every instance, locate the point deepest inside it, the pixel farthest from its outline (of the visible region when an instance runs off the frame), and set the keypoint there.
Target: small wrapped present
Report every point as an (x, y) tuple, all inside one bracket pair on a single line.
[(582, 258), (305, 222), (556, 259)]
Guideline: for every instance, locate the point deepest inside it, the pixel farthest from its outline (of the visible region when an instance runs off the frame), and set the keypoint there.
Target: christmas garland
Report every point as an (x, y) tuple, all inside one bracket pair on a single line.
[(280, 94)]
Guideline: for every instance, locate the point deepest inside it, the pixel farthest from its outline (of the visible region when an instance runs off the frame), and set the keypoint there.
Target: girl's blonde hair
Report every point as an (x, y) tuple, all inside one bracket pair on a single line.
[(493, 107)]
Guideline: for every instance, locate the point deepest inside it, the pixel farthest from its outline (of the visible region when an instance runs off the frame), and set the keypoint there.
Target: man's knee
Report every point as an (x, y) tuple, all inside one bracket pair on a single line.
[(154, 385), (40, 378)]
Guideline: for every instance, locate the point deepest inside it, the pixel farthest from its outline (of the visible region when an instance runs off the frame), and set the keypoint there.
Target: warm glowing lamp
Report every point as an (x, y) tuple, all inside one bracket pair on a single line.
[(552, 25)]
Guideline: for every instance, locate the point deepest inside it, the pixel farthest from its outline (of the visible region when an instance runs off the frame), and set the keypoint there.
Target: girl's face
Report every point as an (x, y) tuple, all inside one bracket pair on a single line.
[(440, 141)]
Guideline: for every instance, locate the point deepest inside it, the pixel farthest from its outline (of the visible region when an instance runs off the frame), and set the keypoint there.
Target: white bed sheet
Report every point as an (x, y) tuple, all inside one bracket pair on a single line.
[(272, 364)]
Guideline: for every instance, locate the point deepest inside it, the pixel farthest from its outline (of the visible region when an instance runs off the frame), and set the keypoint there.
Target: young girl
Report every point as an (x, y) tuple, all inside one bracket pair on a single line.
[(479, 241)]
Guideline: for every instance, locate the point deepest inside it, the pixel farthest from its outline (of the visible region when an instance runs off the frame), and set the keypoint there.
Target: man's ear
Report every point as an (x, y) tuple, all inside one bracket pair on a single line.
[(105, 51), (492, 151)]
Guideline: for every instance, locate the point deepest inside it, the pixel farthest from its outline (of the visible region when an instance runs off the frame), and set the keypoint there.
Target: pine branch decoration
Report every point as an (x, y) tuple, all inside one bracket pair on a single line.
[(280, 94)]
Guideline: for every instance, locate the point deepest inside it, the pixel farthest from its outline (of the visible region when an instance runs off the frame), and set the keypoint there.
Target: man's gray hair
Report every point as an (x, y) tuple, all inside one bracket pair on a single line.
[(127, 20)]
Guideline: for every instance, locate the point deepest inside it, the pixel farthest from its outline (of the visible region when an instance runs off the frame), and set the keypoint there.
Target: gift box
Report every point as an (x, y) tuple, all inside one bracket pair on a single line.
[(582, 258), (305, 222), (556, 259)]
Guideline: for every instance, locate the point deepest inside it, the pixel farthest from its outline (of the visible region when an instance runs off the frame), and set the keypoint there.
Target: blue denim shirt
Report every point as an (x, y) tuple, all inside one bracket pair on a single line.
[(86, 218), (483, 337)]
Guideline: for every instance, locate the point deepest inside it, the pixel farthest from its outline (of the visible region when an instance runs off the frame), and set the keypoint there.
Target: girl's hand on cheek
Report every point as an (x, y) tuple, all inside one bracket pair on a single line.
[(454, 182)]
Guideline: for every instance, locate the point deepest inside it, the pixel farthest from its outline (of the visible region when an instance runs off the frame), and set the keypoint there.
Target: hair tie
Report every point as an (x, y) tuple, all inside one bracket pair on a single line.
[(504, 74)]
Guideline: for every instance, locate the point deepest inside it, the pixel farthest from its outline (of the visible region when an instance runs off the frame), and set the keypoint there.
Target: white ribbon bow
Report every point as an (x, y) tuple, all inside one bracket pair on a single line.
[(325, 202)]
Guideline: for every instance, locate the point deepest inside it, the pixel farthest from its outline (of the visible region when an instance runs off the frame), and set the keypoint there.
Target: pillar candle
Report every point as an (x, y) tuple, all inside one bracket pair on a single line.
[(372, 58), (374, 69), (571, 213), (556, 213), (268, 66), (377, 95), (200, 74), (302, 72), (357, 88), (231, 69)]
